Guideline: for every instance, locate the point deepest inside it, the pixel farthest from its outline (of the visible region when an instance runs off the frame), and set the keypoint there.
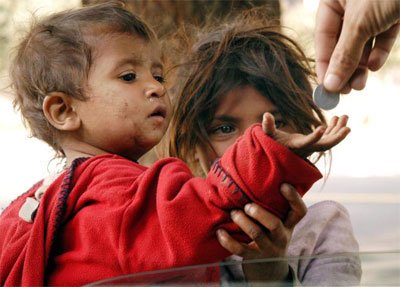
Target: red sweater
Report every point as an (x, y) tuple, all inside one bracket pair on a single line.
[(107, 216)]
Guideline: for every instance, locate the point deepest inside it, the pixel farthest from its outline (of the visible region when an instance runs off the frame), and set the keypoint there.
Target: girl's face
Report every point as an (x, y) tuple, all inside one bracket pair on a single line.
[(239, 109)]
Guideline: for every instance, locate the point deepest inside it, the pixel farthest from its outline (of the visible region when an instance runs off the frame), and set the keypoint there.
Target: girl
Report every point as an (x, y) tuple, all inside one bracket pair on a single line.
[(233, 76)]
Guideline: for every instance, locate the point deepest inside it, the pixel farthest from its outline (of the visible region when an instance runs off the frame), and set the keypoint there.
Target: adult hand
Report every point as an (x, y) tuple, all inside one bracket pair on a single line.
[(270, 237), (351, 37)]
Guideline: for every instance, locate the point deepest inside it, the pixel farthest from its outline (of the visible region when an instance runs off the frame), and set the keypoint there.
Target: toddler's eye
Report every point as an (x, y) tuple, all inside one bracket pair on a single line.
[(160, 79), (128, 77)]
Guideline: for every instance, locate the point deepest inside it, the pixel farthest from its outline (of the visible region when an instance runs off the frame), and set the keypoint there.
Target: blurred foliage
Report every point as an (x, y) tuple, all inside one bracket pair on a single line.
[(166, 16), (6, 9)]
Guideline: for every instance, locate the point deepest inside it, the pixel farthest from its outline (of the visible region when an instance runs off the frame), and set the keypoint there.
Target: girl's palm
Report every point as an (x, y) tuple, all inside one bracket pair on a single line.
[(321, 139)]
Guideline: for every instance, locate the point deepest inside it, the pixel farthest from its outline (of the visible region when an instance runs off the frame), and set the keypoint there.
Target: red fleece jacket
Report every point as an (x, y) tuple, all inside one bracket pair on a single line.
[(107, 216)]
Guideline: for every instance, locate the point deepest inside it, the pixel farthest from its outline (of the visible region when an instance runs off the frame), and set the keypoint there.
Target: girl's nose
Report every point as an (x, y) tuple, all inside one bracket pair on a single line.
[(155, 89)]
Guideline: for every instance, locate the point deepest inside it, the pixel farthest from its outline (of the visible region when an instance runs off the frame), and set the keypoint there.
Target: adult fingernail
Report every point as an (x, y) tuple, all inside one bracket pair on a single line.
[(358, 83), (332, 82)]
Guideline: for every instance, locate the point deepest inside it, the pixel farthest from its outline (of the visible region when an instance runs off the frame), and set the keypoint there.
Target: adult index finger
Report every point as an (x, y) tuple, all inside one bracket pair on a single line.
[(347, 54), (328, 25), (298, 209)]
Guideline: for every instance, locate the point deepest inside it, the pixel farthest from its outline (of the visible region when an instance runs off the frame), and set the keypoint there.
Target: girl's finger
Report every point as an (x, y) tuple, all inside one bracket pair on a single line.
[(273, 228), (257, 232), (307, 140), (268, 124), (231, 244), (330, 141), (252, 229), (340, 135), (263, 216), (298, 209), (342, 122), (331, 125)]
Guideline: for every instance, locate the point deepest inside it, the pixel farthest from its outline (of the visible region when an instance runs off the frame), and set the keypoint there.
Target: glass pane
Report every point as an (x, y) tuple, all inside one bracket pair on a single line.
[(378, 269)]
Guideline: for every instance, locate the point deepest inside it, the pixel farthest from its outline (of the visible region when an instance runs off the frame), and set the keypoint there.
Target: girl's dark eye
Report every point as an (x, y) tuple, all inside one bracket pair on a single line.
[(128, 77), (160, 79), (226, 129), (223, 129)]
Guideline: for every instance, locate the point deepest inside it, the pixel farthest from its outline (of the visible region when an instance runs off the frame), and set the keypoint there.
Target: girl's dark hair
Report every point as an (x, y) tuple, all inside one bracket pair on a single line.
[(56, 55), (242, 54)]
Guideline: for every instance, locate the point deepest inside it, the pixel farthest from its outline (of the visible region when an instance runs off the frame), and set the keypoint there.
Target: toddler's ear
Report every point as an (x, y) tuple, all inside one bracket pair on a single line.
[(59, 112)]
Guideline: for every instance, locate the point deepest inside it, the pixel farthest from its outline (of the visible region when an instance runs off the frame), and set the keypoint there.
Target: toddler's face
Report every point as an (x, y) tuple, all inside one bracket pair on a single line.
[(239, 109), (128, 111)]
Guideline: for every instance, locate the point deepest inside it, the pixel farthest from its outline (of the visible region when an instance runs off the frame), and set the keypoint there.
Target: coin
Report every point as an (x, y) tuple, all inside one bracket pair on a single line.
[(324, 99)]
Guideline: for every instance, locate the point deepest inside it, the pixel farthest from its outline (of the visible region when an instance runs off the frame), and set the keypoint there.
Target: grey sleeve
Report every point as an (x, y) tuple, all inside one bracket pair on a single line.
[(327, 233)]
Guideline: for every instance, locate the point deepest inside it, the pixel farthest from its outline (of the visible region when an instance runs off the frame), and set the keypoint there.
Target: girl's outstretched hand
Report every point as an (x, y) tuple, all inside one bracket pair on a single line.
[(321, 139), (270, 236)]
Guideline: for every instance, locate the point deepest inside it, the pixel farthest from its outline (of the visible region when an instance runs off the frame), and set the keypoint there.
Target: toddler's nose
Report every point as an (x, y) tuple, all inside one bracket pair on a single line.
[(155, 90)]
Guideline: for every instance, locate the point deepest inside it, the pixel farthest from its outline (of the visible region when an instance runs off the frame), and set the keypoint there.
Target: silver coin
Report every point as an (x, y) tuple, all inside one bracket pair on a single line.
[(324, 99)]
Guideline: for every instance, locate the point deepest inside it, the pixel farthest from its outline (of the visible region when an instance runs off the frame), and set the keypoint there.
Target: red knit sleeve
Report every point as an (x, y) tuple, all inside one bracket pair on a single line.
[(173, 218)]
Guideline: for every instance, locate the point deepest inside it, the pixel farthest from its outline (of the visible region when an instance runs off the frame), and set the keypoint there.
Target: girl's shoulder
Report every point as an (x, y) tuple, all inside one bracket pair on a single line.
[(324, 216), (327, 208), (327, 224)]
